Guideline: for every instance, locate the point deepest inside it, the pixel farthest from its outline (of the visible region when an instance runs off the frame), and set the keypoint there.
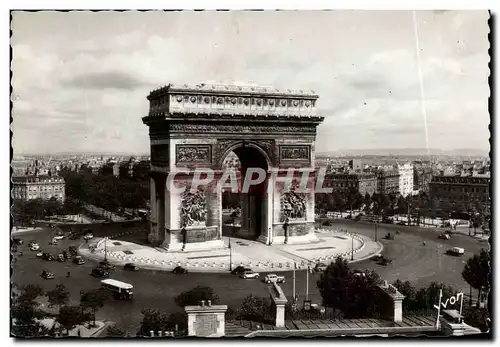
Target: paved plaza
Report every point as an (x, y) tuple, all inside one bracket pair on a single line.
[(252, 254)]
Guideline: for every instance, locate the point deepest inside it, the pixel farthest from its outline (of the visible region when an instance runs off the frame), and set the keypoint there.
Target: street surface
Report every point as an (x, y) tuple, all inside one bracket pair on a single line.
[(157, 289)]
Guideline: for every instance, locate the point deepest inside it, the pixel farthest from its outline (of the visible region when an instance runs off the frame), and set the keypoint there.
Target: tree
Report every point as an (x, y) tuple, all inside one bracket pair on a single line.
[(256, 308), (476, 271), (477, 317), (58, 296), (409, 291), (29, 293), (195, 295), (24, 313), (70, 316), (93, 300), (155, 320)]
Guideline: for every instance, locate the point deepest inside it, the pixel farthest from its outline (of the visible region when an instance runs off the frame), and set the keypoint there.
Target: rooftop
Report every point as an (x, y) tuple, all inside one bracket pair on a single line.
[(321, 328)]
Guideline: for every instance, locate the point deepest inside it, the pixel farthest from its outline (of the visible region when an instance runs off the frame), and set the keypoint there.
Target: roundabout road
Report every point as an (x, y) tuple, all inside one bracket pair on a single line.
[(157, 289)]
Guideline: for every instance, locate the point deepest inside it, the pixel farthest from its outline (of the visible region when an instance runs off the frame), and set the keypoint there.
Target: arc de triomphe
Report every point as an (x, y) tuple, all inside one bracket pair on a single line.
[(196, 127)]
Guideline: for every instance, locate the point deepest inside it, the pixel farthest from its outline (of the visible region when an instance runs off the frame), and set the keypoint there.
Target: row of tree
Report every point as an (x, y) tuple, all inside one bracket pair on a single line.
[(107, 191), (24, 212), (386, 205), (26, 312)]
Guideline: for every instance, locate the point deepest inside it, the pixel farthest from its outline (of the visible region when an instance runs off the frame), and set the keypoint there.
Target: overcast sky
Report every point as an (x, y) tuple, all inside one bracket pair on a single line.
[(80, 80)]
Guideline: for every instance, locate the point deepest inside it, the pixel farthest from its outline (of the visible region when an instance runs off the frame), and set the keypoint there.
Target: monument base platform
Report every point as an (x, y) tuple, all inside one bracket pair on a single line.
[(194, 246), (309, 238)]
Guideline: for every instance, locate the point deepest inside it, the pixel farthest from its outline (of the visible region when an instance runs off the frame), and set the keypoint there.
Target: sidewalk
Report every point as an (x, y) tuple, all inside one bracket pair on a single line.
[(246, 253)]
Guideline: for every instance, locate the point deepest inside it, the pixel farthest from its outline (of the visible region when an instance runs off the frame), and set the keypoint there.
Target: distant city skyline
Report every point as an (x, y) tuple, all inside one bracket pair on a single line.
[(80, 79)]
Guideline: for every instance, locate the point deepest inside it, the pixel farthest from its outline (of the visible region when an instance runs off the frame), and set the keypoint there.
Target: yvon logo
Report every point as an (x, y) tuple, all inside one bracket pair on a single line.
[(459, 297)]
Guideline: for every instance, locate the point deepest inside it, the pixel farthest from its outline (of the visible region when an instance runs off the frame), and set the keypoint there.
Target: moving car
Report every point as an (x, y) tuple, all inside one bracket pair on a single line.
[(79, 260), (179, 270), (444, 236), (385, 262), (239, 270), (61, 258), (378, 257), (88, 236), (59, 235), (39, 254), (320, 267), (249, 274), (47, 275), (106, 265), (130, 267), (99, 272), (54, 242), (35, 247), (17, 241), (120, 290), (273, 278), (456, 251), (47, 256)]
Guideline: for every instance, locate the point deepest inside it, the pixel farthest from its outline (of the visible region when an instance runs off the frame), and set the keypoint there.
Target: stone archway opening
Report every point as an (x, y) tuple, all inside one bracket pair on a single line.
[(245, 211)]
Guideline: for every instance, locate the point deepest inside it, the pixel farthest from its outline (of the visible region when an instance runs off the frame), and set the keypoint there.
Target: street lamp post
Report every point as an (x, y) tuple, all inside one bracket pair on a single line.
[(352, 247), (230, 250), (376, 231), (105, 250), (285, 226)]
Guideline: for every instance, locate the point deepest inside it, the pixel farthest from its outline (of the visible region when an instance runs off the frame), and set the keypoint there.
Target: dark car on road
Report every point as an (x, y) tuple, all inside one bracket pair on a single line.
[(74, 236), (17, 241), (79, 260), (179, 270), (61, 258), (47, 256), (385, 262), (99, 272), (130, 267), (239, 270), (47, 275), (106, 265)]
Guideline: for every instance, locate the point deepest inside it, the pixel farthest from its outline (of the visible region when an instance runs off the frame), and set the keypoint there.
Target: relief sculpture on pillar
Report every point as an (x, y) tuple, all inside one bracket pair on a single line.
[(193, 208), (293, 206)]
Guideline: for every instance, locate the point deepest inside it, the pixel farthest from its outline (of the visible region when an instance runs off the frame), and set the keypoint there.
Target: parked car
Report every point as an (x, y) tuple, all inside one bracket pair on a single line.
[(179, 270), (13, 249), (248, 274), (99, 272), (59, 236), (17, 241), (444, 236), (88, 236), (239, 270), (106, 265), (401, 223), (327, 223), (456, 251), (385, 262), (47, 275), (35, 247), (79, 260), (61, 258), (130, 267), (273, 278), (47, 256), (320, 267), (389, 236), (357, 218)]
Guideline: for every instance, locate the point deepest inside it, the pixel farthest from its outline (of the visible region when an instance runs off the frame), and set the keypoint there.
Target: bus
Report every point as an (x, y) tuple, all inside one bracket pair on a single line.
[(120, 290)]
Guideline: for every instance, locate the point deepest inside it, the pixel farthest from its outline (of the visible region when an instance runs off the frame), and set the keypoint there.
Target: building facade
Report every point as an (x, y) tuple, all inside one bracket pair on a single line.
[(405, 179), (388, 182), (460, 193), (38, 187), (422, 177), (363, 183)]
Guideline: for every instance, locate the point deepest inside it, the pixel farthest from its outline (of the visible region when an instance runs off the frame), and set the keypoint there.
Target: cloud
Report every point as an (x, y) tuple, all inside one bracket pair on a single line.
[(105, 80), (81, 76)]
